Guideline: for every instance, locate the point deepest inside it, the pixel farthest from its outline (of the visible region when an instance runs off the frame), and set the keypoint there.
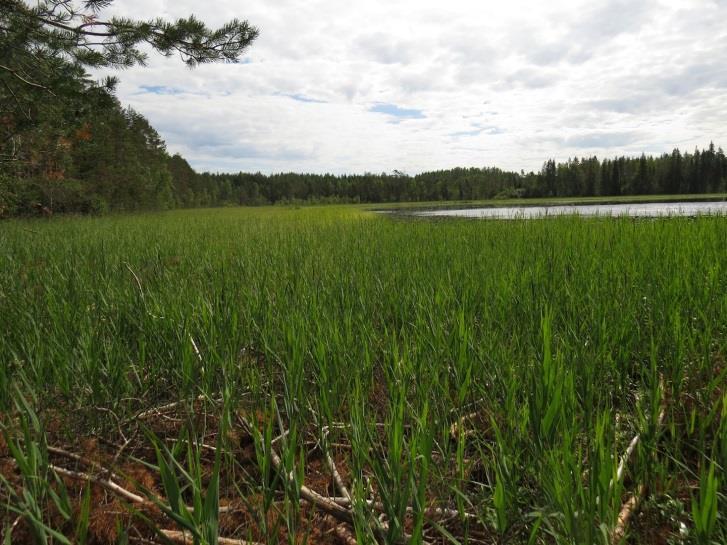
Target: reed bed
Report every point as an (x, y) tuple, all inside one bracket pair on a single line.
[(329, 375)]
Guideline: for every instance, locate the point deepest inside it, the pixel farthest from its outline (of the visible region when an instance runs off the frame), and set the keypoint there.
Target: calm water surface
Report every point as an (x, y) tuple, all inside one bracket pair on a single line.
[(650, 209)]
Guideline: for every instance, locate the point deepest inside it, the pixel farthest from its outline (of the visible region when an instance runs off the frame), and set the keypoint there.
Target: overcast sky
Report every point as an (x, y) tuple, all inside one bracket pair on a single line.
[(414, 85)]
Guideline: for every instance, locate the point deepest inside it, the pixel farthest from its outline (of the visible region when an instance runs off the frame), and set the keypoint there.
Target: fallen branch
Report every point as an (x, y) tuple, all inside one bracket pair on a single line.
[(629, 508), (626, 458), (108, 485), (196, 348), (185, 538), (632, 504), (166, 408), (83, 461), (202, 446), (117, 489), (341, 530), (334, 470), (323, 503)]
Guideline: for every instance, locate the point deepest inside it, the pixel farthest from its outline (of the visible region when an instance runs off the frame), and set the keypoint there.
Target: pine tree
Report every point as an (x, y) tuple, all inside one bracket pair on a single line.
[(46, 47)]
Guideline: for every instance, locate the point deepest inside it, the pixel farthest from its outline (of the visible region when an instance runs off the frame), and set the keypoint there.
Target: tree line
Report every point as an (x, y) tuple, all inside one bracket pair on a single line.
[(702, 171), (114, 160)]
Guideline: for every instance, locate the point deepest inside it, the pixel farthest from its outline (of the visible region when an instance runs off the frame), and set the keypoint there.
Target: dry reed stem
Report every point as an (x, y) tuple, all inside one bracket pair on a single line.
[(342, 532), (84, 461), (629, 508), (185, 538), (117, 489), (632, 504), (108, 485), (336, 475), (155, 411)]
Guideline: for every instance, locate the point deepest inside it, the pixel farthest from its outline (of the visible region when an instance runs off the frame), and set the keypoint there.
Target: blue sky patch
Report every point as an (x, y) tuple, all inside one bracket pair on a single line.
[(396, 111), (303, 98), (160, 90)]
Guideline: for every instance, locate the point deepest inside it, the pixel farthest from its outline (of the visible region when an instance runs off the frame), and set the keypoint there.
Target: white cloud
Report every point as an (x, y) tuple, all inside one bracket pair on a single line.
[(495, 83)]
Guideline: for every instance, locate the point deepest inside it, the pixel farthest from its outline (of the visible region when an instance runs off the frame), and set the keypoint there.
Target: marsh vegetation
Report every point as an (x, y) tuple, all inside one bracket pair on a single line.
[(332, 375)]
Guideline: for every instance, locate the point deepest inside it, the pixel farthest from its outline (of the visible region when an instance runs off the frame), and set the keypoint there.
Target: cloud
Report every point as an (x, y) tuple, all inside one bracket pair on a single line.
[(382, 48), (532, 78), (478, 129), (710, 75), (465, 83), (587, 30), (601, 139), (460, 134), (624, 105)]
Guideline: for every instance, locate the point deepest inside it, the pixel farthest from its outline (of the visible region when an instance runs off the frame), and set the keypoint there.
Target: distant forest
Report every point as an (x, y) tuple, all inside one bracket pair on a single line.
[(114, 160)]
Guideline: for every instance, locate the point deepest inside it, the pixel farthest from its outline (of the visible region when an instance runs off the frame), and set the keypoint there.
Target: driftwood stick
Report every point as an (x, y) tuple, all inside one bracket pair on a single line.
[(337, 478), (155, 411), (185, 538), (467, 405), (322, 502), (632, 504), (629, 508), (83, 461), (158, 410), (340, 529), (334, 470), (626, 458), (342, 532), (340, 513), (629, 452), (202, 446), (136, 278), (108, 485), (117, 489), (325, 504)]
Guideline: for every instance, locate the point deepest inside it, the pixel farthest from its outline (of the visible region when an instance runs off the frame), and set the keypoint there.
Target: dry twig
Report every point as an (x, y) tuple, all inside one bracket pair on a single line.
[(341, 530), (185, 538)]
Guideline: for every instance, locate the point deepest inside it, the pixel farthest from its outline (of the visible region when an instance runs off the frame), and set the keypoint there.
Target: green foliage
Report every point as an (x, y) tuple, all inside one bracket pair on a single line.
[(704, 506), (58, 128), (201, 519), (559, 335), (40, 486)]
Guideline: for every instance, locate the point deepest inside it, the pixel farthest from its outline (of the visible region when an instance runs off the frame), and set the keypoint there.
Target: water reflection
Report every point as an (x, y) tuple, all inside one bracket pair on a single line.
[(651, 209)]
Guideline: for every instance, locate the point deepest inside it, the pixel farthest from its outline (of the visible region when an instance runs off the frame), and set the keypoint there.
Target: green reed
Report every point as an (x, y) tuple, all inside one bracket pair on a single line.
[(565, 337)]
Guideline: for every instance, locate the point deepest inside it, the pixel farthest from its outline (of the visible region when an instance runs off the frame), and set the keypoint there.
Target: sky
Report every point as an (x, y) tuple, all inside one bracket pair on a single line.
[(416, 85)]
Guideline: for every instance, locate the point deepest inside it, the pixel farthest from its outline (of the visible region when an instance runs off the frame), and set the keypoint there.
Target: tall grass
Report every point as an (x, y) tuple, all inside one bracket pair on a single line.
[(549, 344)]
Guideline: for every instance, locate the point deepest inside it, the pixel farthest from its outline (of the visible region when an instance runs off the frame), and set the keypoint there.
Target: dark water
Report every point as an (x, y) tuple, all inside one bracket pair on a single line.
[(650, 209)]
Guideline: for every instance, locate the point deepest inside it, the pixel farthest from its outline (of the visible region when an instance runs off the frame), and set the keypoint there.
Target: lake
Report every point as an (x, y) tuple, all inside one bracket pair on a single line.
[(647, 209)]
